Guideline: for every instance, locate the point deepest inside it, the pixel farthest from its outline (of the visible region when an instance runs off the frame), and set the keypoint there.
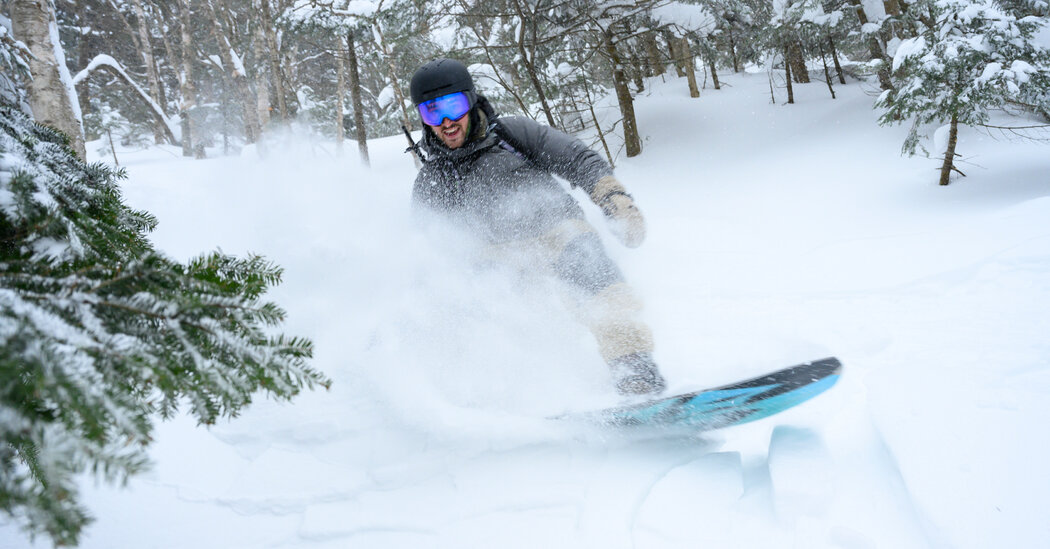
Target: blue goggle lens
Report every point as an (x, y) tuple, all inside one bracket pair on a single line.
[(452, 106)]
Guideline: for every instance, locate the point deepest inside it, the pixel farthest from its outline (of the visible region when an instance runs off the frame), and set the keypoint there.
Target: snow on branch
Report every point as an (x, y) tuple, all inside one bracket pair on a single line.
[(110, 64), (689, 17)]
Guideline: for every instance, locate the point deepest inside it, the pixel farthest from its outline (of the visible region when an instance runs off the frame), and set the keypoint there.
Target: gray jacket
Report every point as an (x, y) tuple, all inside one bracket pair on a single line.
[(500, 182)]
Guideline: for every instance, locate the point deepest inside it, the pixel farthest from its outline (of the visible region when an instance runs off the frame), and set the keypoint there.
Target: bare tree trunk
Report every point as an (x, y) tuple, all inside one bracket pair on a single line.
[(787, 77), (528, 61), (52, 95), (598, 126), (483, 35), (949, 155), (876, 51), (340, 95), (714, 73), (732, 50), (827, 74), (388, 56), (270, 32), (188, 87), (152, 79), (632, 141), (835, 57), (892, 7), (676, 58), (112, 149), (638, 72), (290, 75), (263, 105), (690, 66), (656, 63), (355, 98), (234, 71), (797, 60), (83, 54)]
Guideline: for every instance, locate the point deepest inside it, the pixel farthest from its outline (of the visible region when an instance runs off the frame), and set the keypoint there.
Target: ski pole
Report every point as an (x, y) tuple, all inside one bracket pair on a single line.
[(413, 147)]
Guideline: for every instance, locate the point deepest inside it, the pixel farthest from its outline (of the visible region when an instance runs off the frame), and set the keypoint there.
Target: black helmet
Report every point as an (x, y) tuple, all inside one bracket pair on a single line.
[(441, 77)]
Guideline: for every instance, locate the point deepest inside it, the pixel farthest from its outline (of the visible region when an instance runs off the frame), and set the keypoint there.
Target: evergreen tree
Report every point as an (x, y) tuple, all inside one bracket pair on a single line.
[(101, 333), (14, 60), (971, 58)]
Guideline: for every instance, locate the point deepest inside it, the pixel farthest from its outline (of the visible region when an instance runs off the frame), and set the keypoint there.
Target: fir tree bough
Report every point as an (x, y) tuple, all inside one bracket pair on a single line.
[(971, 57), (101, 333)]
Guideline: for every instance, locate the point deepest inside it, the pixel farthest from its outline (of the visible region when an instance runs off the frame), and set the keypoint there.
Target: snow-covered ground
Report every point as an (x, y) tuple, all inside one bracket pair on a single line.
[(778, 234)]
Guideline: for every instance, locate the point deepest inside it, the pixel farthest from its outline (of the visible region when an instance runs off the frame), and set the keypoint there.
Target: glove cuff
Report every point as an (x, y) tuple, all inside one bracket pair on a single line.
[(606, 188)]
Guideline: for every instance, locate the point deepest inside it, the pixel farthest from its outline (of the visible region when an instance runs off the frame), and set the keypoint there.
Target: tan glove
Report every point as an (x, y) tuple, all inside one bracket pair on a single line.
[(624, 219)]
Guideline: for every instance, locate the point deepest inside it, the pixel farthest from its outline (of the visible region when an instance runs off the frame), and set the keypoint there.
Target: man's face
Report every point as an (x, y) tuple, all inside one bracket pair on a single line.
[(453, 133)]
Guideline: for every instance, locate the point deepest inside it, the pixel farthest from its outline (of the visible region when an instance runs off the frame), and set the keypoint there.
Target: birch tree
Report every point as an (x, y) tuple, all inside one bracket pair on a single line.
[(152, 77), (51, 93), (191, 138)]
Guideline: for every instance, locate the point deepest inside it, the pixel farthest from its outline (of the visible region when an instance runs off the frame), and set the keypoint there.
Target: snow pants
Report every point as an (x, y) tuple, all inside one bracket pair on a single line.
[(599, 296)]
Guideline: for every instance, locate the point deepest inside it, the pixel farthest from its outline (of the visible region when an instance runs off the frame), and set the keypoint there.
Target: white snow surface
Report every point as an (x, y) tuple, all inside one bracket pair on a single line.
[(777, 234)]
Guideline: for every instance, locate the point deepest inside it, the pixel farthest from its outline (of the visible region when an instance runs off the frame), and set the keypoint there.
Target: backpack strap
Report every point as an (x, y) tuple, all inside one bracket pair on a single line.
[(506, 141)]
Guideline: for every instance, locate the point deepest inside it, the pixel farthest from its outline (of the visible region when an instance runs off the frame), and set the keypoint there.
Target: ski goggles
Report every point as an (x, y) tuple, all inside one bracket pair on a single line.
[(452, 106)]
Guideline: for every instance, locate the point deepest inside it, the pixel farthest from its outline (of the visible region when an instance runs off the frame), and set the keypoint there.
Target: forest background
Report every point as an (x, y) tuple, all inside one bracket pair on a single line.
[(217, 75)]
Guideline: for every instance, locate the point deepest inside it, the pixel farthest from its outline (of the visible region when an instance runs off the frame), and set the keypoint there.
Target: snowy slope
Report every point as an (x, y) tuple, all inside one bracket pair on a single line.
[(778, 234)]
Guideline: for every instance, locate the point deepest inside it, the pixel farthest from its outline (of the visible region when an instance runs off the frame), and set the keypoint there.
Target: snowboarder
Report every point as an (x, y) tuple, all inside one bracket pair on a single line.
[(494, 175)]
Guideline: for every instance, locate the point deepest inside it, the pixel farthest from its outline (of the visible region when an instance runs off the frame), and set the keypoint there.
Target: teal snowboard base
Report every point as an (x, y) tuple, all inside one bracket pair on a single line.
[(728, 405)]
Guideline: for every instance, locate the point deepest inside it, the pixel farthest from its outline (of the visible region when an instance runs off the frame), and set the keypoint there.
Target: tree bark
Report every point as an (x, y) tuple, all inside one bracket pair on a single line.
[(340, 94), (262, 77), (690, 66), (83, 53), (355, 98), (892, 7), (188, 87), (672, 47), (529, 61), (270, 33), (52, 95), (170, 54), (638, 72), (732, 50), (597, 125), (798, 61), (827, 74), (632, 142), (949, 155), (233, 70), (656, 63), (388, 57), (714, 72), (876, 51), (152, 78), (835, 57), (787, 77)]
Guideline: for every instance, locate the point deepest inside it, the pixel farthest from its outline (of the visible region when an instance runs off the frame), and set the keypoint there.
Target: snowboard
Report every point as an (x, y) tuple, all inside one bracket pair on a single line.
[(725, 406)]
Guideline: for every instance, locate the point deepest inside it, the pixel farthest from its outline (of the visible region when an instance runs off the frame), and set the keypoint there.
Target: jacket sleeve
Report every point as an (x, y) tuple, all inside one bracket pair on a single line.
[(425, 195), (556, 152)]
